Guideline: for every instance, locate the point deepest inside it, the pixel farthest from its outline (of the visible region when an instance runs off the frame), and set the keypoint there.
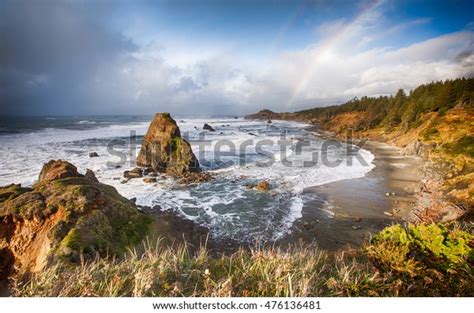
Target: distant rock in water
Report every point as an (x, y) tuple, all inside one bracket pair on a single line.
[(93, 155), (164, 150), (63, 215), (208, 127), (263, 186)]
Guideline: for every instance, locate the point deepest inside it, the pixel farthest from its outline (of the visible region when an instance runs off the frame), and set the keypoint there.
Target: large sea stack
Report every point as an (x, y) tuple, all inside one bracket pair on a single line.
[(163, 149)]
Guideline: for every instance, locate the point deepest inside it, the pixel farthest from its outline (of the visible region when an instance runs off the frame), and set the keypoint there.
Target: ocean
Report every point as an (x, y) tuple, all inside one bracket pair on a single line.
[(239, 152)]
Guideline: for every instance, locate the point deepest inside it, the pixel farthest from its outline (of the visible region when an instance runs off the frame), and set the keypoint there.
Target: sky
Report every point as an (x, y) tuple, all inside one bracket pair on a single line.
[(210, 57)]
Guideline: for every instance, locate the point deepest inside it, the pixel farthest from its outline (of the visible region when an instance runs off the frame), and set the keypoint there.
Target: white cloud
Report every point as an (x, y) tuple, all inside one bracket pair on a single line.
[(403, 26), (316, 75)]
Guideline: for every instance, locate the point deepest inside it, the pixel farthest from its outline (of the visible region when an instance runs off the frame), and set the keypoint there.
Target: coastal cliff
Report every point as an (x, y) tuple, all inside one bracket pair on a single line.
[(435, 122)]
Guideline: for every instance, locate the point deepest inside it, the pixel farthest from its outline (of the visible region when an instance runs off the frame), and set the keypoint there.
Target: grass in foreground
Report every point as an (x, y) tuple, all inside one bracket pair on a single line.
[(424, 260)]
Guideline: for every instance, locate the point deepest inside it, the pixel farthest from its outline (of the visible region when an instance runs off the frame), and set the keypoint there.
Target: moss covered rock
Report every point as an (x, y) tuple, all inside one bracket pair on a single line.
[(63, 216), (10, 192)]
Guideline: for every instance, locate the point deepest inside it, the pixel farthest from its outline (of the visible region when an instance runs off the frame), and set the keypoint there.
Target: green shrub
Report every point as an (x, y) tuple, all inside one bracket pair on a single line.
[(430, 133), (464, 145), (435, 256)]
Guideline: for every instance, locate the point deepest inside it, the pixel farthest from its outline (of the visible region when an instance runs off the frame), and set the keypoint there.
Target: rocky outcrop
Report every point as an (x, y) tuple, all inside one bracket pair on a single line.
[(195, 178), (418, 148), (270, 115), (164, 150), (264, 114), (91, 176), (63, 215), (56, 170)]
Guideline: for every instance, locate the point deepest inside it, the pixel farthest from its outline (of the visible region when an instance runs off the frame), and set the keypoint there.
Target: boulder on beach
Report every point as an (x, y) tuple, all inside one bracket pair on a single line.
[(164, 150), (208, 127), (64, 215)]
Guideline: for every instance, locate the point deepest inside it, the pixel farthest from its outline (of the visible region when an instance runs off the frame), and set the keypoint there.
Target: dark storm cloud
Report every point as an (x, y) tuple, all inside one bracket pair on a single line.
[(50, 52)]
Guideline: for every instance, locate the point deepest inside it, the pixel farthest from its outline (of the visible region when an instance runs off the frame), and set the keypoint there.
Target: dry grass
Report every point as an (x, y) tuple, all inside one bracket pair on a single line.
[(165, 271)]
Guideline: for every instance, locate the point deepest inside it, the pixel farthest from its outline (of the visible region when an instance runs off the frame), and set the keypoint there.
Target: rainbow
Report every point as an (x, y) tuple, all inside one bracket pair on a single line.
[(325, 48)]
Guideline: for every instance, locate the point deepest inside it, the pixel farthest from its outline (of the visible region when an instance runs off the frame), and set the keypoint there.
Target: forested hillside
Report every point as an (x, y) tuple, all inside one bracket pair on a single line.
[(402, 109)]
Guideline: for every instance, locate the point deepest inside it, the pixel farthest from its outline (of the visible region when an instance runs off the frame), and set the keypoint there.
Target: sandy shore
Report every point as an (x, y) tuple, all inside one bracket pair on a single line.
[(361, 206)]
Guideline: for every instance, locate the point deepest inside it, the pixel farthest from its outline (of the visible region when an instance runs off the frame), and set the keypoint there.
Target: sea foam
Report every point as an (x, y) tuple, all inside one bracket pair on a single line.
[(226, 205)]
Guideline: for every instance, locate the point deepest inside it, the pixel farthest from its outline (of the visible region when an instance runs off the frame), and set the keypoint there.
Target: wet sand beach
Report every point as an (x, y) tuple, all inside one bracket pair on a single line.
[(361, 206)]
